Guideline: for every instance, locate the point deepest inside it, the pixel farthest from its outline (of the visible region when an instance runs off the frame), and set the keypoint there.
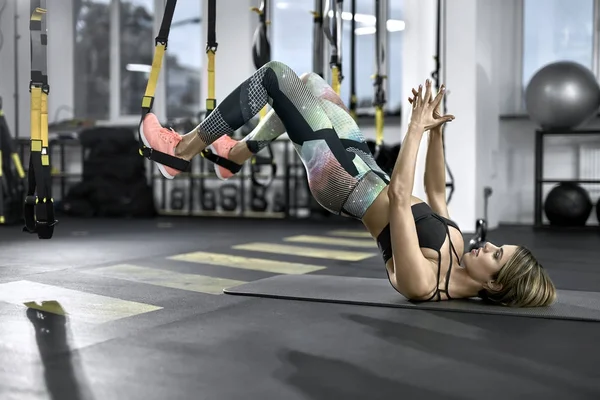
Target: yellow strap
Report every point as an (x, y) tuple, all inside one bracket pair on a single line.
[(335, 79), (378, 125), (210, 101), (263, 112), (44, 119), (154, 74), (18, 165), (353, 100), (37, 14), (36, 113), (1, 171)]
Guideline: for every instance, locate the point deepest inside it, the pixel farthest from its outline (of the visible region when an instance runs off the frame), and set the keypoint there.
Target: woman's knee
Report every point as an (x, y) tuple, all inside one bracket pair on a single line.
[(280, 68)]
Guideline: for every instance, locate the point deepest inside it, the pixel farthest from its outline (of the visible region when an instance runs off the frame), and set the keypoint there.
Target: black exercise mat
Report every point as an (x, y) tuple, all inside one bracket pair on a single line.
[(571, 305)]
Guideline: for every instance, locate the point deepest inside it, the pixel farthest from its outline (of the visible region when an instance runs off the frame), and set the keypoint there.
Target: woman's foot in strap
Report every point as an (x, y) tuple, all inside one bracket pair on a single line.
[(161, 139), (223, 147)]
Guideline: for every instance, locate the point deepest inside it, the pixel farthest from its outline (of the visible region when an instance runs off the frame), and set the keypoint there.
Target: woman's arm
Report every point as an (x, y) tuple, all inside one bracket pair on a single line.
[(435, 173), (413, 276)]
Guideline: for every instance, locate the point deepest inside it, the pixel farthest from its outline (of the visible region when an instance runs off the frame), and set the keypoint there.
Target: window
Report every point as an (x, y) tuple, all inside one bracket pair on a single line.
[(395, 27), (292, 32), (92, 59), (183, 61), (136, 51), (556, 30), (296, 49)]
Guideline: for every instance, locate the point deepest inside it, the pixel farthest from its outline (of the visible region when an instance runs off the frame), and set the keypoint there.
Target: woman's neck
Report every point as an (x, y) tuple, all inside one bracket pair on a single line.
[(462, 285)]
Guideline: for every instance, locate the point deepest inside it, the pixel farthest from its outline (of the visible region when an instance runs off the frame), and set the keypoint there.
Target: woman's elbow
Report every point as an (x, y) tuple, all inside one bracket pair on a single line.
[(398, 195)]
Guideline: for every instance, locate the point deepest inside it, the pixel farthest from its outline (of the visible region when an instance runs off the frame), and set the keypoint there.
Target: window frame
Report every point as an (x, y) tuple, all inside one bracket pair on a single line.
[(159, 107)]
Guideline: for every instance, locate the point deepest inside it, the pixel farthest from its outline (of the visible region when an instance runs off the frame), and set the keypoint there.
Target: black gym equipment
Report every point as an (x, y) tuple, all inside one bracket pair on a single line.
[(479, 238), (261, 51), (38, 209), (568, 204), (148, 99), (211, 101), (379, 100), (12, 177), (256, 164), (598, 211), (258, 198), (228, 197), (261, 48), (278, 202), (208, 197), (570, 305), (353, 99), (332, 27), (318, 41), (177, 199)]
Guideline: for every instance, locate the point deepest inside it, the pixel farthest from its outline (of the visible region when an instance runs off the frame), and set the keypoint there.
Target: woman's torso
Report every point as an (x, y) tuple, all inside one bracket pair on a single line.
[(441, 241)]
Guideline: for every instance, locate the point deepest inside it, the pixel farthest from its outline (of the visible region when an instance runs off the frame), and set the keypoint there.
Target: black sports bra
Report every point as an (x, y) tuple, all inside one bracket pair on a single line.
[(432, 230)]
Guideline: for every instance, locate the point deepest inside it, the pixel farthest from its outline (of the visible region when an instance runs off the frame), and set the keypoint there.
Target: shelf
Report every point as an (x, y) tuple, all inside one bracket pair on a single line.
[(569, 132), (587, 181), (230, 214)]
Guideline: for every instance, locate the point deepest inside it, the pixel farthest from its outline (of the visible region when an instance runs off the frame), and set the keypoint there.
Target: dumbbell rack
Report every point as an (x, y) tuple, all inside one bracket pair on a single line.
[(290, 182), (540, 180)]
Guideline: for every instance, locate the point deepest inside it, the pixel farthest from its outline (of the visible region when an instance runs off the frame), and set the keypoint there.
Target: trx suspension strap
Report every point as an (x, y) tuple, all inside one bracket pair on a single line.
[(261, 54), (436, 77), (353, 99), (318, 39), (380, 70), (334, 34), (38, 210), (148, 99), (211, 101), (261, 48)]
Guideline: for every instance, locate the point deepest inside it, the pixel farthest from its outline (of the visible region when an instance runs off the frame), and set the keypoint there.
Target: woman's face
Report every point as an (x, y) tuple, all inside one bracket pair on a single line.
[(484, 263)]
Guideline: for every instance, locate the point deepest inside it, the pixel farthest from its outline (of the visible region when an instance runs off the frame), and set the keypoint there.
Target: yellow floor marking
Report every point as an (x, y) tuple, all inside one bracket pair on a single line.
[(166, 278), (86, 307), (304, 251), (353, 234), (367, 244), (255, 264)]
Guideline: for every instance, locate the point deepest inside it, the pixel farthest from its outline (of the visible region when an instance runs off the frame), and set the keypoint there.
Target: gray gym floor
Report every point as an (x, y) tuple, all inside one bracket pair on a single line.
[(147, 320)]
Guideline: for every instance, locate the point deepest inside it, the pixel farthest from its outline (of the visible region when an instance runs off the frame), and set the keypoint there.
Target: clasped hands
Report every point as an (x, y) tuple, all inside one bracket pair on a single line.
[(426, 110)]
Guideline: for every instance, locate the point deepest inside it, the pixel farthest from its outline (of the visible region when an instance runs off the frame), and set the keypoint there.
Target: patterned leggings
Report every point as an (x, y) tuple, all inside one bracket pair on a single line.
[(342, 174)]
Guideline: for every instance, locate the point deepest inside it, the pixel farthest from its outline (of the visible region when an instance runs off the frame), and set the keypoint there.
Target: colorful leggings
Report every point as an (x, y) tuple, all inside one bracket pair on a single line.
[(342, 174)]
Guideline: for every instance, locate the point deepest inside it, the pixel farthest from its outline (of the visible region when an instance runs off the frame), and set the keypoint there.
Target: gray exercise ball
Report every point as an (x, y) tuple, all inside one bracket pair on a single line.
[(562, 95)]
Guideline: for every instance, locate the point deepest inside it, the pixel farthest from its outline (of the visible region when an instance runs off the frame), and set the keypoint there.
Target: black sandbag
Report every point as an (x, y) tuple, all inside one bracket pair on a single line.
[(124, 169), (114, 177)]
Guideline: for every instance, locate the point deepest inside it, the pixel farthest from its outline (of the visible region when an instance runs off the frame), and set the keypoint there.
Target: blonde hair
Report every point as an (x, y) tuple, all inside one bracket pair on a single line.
[(524, 283)]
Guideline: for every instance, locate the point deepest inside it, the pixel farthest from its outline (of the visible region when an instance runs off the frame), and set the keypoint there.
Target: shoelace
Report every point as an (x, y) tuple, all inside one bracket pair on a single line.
[(168, 134)]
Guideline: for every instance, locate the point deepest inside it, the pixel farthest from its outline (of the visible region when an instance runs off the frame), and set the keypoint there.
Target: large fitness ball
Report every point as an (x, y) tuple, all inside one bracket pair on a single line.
[(562, 95), (568, 204)]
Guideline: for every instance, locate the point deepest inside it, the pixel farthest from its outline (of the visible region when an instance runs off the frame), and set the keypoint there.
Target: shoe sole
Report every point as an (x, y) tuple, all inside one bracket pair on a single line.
[(161, 167)]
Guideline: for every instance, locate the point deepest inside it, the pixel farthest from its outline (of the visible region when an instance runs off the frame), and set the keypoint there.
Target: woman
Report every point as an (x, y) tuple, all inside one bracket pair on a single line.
[(419, 243)]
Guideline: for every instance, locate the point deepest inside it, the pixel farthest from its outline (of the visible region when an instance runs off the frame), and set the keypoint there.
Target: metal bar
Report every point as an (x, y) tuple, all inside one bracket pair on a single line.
[(539, 164)]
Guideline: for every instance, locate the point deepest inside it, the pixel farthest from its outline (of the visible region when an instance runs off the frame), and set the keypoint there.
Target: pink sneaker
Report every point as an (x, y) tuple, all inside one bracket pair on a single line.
[(221, 147), (161, 139)]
